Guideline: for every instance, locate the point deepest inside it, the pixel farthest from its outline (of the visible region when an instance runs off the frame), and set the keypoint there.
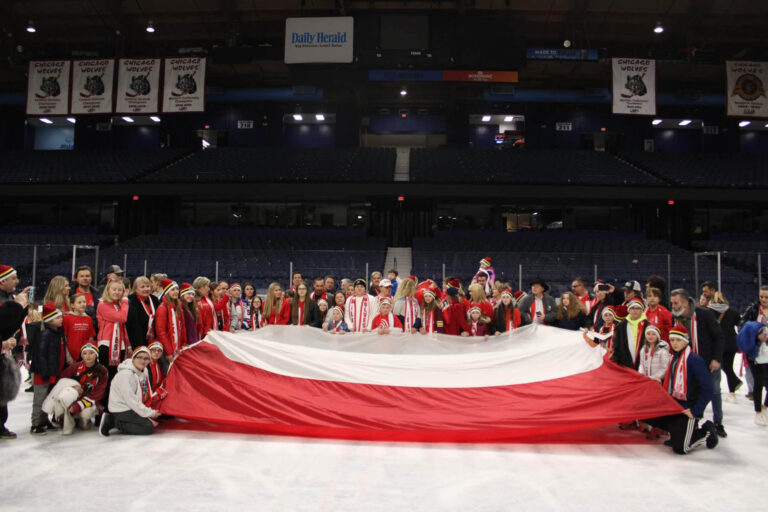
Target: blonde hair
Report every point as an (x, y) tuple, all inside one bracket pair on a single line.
[(140, 281), (107, 287), (575, 306), (719, 298), (477, 293), (406, 289), (269, 301), (53, 293), (199, 282)]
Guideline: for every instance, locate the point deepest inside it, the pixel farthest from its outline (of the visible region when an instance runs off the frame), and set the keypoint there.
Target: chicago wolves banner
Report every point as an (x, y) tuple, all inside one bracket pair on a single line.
[(137, 86), (746, 88), (184, 84), (92, 84), (290, 380), (634, 86), (48, 87)]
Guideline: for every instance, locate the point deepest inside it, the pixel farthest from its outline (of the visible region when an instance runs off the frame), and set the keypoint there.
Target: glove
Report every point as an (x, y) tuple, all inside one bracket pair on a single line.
[(77, 407)]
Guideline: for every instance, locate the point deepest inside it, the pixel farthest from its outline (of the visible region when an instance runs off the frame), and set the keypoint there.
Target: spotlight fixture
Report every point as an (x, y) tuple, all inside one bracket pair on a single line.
[(298, 117), (659, 28), (320, 117), (509, 119), (656, 122), (567, 43), (743, 124), (155, 119), (150, 27), (684, 122), (31, 27), (403, 92), (45, 120), (127, 119), (486, 118), (71, 120)]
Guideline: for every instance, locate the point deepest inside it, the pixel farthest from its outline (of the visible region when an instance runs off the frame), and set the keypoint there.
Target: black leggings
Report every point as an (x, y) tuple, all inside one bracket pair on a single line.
[(111, 370), (733, 379), (760, 374)]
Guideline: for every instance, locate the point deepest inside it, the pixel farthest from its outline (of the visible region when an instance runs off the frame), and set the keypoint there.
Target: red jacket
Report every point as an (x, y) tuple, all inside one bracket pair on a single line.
[(661, 318), (94, 388), (438, 324), (210, 312), (486, 308), (165, 330), (107, 317), (378, 319), (455, 318), (282, 317), (78, 330)]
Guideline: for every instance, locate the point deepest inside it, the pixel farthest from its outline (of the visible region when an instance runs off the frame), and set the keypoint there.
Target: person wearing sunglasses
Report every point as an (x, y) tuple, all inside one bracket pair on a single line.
[(130, 398)]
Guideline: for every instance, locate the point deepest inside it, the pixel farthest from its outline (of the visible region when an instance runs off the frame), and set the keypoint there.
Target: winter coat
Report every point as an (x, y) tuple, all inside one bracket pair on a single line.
[(709, 334), (621, 353), (747, 339), (728, 319), (699, 384), (313, 317), (658, 362), (94, 387), (165, 328), (137, 321), (109, 317), (11, 315), (572, 324), (750, 314), (550, 309), (46, 356), (190, 327), (126, 393), (499, 323), (455, 318)]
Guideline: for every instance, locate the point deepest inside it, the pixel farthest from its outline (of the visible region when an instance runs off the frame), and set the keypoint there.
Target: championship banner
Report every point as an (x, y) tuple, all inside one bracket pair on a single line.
[(313, 40), (92, 85), (137, 86), (634, 86), (184, 84), (48, 87), (746, 88)]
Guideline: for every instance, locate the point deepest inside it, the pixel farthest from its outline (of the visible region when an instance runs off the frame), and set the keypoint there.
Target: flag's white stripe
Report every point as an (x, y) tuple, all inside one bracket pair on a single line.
[(532, 355)]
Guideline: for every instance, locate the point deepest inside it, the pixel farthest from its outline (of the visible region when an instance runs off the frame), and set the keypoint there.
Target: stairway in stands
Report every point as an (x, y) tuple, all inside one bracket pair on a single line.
[(400, 259), (403, 164)]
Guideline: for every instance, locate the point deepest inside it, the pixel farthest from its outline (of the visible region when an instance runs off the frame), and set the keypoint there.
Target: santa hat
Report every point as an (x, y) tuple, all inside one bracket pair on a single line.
[(609, 309), (139, 350), (454, 283), (635, 303), (620, 312), (486, 261), (186, 288), (413, 278), (235, 285), (652, 327), (385, 300), (339, 309), (167, 285), (322, 301), (91, 347), (507, 291), (475, 308), (430, 292), (156, 344), (6, 272), (519, 294), (679, 331), (50, 312), (360, 281)]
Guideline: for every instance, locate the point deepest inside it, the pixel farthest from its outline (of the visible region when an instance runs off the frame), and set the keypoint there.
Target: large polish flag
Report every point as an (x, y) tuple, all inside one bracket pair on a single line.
[(302, 381)]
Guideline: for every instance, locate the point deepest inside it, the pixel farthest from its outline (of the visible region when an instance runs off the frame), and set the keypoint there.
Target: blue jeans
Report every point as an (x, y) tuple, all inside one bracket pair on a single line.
[(717, 399)]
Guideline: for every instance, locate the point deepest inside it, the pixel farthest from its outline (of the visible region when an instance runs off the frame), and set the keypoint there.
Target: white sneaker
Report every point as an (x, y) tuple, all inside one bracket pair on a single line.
[(731, 398), (761, 419)]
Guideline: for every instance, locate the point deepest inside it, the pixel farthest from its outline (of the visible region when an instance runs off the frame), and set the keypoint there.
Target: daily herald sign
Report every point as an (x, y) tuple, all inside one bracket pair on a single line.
[(318, 40)]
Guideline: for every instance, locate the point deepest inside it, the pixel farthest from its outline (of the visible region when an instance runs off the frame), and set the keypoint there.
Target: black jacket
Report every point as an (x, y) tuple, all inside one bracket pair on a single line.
[(573, 324), (750, 314), (621, 353), (11, 316), (315, 318), (136, 324), (44, 349), (710, 335), (728, 321)]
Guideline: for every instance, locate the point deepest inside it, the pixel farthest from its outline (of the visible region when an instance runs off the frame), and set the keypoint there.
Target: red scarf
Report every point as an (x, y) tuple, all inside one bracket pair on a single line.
[(150, 311), (677, 385), (647, 357), (605, 329), (255, 319), (209, 303), (387, 321), (473, 328), (428, 319), (359, 321), (116, 343), (694, 334), (300, 312), (157, 375), (411, 313)]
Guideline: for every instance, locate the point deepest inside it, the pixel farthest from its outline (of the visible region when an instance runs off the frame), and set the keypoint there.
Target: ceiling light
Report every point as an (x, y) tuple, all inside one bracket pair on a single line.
[(45, 120), (155, 119), (659, 28), (31, 27), (742, 124), (656, 122), (403, 92), (684, 122), (127, 119), (320, 117), (766, 125), (509, 119), (71, 120), (298, 117), (567, 43), (150, 27), (486, 118)]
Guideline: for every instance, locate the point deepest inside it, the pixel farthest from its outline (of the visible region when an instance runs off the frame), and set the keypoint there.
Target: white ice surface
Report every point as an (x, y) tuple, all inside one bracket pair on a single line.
[(190, 471)]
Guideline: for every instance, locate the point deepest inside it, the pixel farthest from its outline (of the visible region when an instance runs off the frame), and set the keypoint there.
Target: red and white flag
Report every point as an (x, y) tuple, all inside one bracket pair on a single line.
[(407, 387)]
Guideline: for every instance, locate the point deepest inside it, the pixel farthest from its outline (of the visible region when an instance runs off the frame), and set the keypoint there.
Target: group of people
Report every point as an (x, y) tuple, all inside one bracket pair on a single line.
[(102, 355)]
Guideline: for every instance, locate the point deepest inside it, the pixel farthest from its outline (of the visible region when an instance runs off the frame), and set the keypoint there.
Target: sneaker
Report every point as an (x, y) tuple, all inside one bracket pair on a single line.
[(38, 430), (720, 430), (761, 420), (711, 434), (52, 426), (749, 396), (668, 442), (29, 389), (731, 398), (7, 434), (106, 424)]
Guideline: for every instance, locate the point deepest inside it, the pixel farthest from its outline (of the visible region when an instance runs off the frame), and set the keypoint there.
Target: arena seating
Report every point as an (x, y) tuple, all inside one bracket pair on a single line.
[(529, 166), (705, 169), (94, 166), (372, 165)]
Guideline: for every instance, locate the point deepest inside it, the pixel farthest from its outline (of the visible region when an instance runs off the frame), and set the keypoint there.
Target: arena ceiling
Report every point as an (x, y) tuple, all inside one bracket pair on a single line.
[(244, 38)]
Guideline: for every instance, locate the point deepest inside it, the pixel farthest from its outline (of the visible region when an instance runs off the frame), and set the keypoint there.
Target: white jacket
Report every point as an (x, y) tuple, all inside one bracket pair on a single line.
[(125, 393)]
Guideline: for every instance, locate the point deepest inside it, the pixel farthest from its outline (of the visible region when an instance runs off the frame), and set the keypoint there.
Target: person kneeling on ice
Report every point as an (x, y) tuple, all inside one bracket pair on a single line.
[(78, 395), (385, 320), (129, 397), (687, 380)]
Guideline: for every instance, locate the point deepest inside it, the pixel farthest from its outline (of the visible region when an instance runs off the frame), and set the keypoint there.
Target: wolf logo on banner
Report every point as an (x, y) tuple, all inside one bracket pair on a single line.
[(184, 88), (634, 86), (746, 89), (92, 82), (48, 87), (138, 82)]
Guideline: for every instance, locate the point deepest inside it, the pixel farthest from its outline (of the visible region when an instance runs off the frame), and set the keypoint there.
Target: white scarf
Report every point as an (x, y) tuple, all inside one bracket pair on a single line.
[(150, 311), (115, 344), (210, 304), (175, 329), (411, 312), (387, 321), (428, 319), (679, 387), (359, 317)]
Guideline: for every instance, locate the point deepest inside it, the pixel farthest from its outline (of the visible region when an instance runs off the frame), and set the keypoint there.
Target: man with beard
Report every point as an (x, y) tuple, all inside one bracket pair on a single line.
[(706, 339)]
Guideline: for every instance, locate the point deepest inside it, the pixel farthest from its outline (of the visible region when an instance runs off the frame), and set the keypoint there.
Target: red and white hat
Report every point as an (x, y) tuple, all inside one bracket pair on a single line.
[(339, 309), (620, 312), (50, 312), (652, 327), (385, 300), (486, 261), (413, 278), (507, 291), (635, 303), (475, 308), (235, 285), (156, 344), (6, 272), (431, 292), (91, 347), (679, 331), (186, 288), (454, 283), (519, 294), (168, 284), (139, 350)]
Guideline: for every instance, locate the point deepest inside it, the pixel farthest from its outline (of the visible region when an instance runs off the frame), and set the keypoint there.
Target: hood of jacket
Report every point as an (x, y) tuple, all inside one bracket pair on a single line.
[(127, 366)]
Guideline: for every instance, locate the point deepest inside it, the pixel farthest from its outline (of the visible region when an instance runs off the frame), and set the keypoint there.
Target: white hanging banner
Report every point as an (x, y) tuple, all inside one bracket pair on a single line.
[(92, 86), (319, 39), (138, 84), (184, 84), (746, 88), (48, 87), (634, 86)]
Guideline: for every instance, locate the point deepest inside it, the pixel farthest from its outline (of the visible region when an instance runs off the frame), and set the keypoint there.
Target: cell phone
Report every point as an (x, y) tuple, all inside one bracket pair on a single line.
[(31, 294), (604, 287)]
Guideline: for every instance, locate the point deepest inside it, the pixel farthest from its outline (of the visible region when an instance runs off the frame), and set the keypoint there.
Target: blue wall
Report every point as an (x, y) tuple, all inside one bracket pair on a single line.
[(754, 141), (54, 137), (677, 141), (309, 136), (411, 124)]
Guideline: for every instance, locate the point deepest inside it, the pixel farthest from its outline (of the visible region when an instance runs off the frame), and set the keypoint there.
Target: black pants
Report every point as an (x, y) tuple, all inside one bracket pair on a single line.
[(684, 432), (111, 370), (733, 379), (3, 416), (760, 374), (132, 424)]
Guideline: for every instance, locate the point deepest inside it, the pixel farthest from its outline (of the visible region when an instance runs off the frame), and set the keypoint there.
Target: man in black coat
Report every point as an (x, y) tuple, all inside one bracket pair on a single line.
[(707, 341), (13, 309)]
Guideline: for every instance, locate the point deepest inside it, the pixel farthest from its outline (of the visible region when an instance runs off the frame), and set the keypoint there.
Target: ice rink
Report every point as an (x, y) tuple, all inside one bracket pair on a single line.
[(179, 469)]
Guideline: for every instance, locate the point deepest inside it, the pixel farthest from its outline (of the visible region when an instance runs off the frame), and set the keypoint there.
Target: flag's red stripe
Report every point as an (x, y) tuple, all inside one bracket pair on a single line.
[(207, 386)]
